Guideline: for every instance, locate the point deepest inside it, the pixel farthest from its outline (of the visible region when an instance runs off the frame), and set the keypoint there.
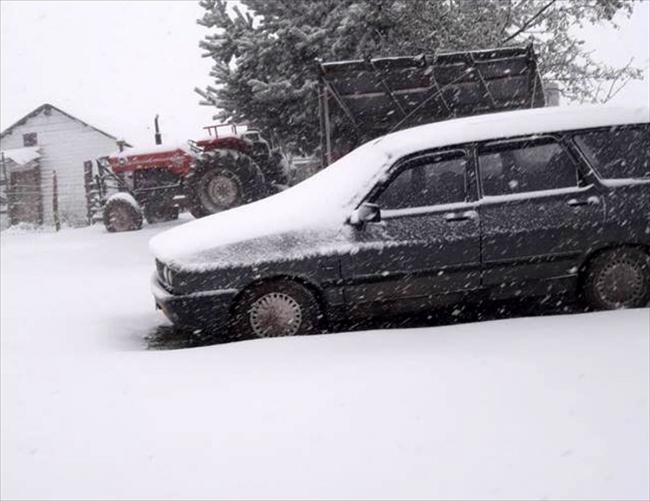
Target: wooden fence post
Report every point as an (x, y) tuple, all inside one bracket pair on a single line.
[(88, 185), (55, 202)]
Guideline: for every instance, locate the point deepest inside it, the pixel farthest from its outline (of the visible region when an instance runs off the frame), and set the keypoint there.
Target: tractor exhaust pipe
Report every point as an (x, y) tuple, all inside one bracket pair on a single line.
[(157, 137)]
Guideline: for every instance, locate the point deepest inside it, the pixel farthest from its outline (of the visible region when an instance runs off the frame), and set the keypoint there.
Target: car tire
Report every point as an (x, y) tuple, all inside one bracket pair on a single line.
[(276, 309), (618, 278), (221, 180), (122, 213)]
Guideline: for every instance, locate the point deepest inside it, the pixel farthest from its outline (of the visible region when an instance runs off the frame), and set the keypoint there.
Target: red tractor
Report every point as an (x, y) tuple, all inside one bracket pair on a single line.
[(227, 169)]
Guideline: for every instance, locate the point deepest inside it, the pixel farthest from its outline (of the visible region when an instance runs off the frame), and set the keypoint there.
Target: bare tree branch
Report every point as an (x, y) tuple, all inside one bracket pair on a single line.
[(610, 93), (529, 22), (506, 23)]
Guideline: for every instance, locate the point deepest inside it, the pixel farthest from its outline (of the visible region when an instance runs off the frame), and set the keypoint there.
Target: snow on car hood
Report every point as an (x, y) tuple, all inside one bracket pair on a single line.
[(306, 216), (311, 215)]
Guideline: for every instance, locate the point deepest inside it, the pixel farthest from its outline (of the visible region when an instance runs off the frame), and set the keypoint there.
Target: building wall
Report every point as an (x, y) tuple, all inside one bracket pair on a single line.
[(4, 209), (65, 144)]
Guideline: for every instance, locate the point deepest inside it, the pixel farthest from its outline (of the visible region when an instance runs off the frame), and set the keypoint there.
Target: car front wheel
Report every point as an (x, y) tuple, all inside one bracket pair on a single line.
[(275, 309), (618, 278)]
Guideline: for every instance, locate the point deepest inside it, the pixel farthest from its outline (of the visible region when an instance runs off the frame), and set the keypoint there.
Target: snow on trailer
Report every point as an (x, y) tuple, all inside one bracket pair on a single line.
[(365, 99)]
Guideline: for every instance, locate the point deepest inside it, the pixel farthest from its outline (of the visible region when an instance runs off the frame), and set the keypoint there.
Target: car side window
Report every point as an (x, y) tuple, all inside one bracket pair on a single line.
[(619, 152), (433, 180), (525, 166)]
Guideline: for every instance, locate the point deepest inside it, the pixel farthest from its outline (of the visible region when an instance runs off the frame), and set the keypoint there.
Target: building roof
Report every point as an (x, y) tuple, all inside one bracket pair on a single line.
[(48, 107), (20, 159), (23, 156)]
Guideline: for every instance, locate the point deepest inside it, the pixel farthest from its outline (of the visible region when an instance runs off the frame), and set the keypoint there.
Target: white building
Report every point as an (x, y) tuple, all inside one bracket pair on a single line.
[(46, 141)]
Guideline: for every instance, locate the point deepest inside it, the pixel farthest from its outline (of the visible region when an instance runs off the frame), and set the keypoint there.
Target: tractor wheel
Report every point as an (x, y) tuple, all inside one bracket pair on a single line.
[(274, 309), (160, 213), (122, 213), (618, 278), (221, 180)]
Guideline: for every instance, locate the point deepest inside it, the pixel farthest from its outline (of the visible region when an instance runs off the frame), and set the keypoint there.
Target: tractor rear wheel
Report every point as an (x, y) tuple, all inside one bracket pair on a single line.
[(122, 213), (221, 180)]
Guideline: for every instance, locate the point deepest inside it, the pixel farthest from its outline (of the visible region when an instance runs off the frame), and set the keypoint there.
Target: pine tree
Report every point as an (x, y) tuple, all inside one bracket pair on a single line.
[(264, 56)]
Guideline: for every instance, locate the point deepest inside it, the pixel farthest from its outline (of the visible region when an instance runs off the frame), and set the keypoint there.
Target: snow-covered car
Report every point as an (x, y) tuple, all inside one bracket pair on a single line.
[(521, 203)]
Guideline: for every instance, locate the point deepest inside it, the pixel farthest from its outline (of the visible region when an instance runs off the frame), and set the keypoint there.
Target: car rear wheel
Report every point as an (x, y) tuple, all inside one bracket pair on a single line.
[(122, 213), (275, 309), (618, 278)]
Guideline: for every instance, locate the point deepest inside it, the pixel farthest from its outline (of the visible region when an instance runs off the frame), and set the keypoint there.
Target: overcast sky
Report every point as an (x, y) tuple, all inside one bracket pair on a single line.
[(118, 64)]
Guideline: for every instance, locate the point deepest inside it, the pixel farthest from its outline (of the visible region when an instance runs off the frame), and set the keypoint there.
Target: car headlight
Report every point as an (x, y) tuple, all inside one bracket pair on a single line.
[(168, 276)]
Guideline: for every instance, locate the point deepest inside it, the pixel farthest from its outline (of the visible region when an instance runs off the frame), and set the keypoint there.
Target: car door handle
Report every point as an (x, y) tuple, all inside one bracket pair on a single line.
[(574, 202), (453, 217)]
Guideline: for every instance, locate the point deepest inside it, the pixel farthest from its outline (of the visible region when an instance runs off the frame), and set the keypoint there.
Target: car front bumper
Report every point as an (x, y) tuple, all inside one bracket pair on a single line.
[(209, 310)]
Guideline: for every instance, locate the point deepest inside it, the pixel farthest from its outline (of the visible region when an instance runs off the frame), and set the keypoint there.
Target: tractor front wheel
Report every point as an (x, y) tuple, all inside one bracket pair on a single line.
[(122, 213)]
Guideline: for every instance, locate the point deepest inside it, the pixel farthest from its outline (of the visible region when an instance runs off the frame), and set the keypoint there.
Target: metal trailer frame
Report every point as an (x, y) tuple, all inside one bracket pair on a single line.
[(378, 96)]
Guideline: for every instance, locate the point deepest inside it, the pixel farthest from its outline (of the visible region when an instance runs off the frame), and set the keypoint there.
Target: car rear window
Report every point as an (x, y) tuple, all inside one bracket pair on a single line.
[(619, 152), (524, 167)]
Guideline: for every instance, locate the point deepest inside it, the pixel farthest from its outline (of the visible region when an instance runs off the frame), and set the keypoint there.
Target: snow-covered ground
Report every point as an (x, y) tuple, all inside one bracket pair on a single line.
[(553, 407)]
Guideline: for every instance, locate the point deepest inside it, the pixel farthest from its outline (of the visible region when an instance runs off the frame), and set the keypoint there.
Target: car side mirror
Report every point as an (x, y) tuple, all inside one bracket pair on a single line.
[(366, 213)]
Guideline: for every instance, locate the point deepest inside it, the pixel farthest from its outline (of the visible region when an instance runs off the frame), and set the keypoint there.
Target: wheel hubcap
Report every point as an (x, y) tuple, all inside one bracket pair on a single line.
[(220, 191), (620, 283), (274, 315), (120, 219)]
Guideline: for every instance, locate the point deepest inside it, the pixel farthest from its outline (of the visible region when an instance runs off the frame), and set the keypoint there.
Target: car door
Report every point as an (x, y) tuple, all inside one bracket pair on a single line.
[(426, 246), (538, 213)]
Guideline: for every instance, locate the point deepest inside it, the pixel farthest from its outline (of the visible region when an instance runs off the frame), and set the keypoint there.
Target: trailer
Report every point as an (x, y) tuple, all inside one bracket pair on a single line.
[(364, 99)]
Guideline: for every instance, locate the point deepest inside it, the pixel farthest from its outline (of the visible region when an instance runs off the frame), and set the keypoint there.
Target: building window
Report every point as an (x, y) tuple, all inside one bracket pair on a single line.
[(30, 139)]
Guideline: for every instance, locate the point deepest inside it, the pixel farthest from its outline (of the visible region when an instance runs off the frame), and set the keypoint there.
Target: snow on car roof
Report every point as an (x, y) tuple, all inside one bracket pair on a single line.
[(325, 200), (509, 124)]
